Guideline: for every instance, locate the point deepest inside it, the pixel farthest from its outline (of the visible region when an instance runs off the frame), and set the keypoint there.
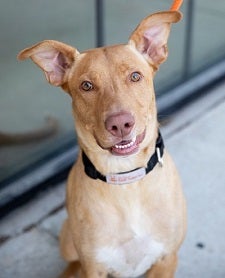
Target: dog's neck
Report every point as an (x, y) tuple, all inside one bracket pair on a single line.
[(107, 163), (129, 176)]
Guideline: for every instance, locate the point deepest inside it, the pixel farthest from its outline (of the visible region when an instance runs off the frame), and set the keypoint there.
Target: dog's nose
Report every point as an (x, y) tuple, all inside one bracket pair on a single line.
[(120, 124)]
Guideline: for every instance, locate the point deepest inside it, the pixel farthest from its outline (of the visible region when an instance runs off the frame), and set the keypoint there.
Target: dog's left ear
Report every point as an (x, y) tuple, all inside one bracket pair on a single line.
[(151, 36)]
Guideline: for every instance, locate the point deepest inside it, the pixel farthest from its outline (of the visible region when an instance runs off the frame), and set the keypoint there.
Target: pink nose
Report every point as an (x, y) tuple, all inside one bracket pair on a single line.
[(120, 124)]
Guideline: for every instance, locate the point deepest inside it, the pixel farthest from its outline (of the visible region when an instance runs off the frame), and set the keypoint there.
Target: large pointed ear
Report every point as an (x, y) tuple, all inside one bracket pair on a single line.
[(53, 57), (151, 36)]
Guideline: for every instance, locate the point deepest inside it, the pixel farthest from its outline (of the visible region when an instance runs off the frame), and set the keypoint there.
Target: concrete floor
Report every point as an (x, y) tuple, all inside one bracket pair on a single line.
[(196, 138)]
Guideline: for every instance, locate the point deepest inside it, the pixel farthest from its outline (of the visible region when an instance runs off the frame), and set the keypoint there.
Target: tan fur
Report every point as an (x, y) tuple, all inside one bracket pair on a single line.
[(118, 220)]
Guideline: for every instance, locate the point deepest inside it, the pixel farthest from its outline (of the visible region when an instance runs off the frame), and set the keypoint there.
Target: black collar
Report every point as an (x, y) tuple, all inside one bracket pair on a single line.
[(126, 177)]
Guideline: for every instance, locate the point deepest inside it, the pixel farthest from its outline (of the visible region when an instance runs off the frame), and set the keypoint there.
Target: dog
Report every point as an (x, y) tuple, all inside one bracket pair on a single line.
[(126, 209)]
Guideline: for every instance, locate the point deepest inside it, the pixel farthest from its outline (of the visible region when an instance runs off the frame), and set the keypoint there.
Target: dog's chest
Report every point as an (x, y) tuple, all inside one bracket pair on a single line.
[(131, 258), (133, 253)]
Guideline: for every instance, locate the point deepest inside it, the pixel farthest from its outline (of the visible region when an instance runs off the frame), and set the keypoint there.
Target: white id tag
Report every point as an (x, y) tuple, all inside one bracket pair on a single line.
[(125, 178)]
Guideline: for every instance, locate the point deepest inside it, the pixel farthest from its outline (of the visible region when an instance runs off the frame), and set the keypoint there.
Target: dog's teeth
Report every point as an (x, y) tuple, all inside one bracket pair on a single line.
[(126, 146)]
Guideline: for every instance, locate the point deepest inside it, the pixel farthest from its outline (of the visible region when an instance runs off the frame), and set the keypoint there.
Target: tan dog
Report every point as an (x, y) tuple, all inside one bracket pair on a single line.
[(126, 210)]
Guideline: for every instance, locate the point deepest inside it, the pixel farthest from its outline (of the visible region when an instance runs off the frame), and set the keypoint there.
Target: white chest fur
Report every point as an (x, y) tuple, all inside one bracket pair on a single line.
[(133, 251), (131, 258)]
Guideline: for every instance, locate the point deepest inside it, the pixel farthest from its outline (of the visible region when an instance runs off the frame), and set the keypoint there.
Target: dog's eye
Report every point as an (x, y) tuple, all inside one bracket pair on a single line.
[(135, 76), (87, 86)]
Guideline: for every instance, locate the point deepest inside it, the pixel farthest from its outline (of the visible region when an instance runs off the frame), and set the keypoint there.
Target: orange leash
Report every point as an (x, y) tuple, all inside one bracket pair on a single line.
[(176, 5)]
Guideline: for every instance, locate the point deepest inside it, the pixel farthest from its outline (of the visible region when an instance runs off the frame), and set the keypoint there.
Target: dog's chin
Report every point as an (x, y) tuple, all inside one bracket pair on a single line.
[(127, 147)]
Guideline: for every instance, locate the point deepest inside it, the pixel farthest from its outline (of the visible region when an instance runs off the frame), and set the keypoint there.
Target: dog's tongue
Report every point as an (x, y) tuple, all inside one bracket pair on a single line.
[(125, 148)]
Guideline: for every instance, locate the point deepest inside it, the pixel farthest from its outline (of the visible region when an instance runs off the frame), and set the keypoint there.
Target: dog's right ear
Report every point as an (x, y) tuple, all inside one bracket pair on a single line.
[(53, 57)]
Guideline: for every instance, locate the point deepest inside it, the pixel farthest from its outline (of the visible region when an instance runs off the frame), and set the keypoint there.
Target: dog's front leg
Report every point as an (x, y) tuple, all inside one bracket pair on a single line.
[(93, 271), (165, 268), (71, 271), (75, 270)]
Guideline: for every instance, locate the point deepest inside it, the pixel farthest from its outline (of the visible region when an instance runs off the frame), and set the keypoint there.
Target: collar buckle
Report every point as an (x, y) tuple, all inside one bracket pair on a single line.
[(160, 159)]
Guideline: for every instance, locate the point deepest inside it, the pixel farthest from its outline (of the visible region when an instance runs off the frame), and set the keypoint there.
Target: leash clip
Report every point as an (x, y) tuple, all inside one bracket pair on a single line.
[(160, 159)]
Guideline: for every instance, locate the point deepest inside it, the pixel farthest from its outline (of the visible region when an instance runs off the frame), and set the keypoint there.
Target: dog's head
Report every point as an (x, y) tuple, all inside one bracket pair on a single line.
[(111, 87)]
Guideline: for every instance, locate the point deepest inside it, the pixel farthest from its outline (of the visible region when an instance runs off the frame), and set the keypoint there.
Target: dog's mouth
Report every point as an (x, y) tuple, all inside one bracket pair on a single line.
[(128, 147)]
